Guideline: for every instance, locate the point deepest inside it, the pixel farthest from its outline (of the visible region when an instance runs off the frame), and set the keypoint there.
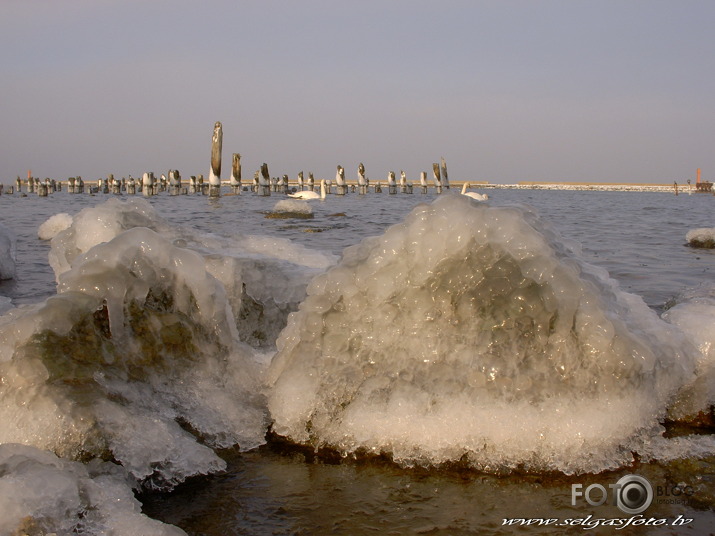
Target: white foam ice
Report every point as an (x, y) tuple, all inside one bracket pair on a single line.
[(8, 244), (473, 333), (54, 225), (43, 494)]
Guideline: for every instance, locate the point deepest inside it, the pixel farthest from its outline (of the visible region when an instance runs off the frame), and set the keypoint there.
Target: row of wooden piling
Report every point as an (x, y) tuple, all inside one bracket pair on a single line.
[(263, 183)]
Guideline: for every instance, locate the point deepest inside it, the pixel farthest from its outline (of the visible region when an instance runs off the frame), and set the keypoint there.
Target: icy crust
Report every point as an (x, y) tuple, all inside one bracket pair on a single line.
[(95, 225), (470, 333), (264, 277), (694, 314), (43, 494), (7, 252), (139, 340)]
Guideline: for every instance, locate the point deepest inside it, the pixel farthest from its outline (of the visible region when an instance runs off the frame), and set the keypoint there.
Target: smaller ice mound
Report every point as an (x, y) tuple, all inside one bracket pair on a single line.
[(54, 225), (140, 337), (291, 208), (701, 238), (8, 244), (472, 334), (694, 314), (43, 494), (264, 277)]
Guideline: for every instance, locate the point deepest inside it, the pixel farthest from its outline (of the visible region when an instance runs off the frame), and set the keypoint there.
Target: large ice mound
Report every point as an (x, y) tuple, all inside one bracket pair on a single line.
[(471, 333)]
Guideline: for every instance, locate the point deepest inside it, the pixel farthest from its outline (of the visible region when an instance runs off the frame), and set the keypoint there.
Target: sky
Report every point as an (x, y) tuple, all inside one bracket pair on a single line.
[(504, 90)]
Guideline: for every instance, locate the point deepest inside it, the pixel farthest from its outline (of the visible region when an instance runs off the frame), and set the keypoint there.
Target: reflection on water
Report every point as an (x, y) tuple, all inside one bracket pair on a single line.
[(266, 491)]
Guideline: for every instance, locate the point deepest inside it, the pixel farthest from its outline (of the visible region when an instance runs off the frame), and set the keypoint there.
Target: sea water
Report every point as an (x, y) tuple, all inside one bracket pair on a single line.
[(224, 279)]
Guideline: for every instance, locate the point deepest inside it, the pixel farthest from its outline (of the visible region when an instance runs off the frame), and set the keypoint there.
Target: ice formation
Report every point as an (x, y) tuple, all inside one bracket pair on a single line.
[(55, 224), (703, 237), (7, 252), (694, 314), (264, 277), (43, 494), (95, 225), (140, 336), (293, 205), (472, 333)]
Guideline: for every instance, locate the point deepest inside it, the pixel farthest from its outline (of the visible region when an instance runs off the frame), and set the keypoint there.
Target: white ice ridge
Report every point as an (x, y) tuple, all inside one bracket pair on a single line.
[(472, 333)]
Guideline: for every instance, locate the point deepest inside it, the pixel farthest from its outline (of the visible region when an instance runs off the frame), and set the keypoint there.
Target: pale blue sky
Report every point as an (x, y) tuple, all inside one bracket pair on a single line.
[(505, 90)]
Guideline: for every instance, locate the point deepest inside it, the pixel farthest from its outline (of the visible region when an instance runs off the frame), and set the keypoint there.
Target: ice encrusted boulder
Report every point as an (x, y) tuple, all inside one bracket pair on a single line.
[(473, 334)]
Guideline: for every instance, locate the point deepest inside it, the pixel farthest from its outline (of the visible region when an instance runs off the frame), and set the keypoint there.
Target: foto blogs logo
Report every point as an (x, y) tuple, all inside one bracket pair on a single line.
[(632, 494)]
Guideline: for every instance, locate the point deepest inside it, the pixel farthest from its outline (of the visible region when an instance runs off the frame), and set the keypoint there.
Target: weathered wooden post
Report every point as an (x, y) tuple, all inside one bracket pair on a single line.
[(265, 181), (445, 180), (18, 184), (148, 184), (437, 178), (174, 182), (236, 173), (300, 181), (79, 185), (391, 183), (283, 184), (405, 187), (162, 183), (131, 186), (192, 184), (203, 188), (215, 174), (378, 188), (41, 189), (311, 181), (423, 181), (340, 184), (362, 180)]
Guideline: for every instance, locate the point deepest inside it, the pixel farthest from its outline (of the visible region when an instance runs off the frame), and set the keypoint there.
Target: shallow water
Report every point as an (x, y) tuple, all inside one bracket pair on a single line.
[(638, 237)]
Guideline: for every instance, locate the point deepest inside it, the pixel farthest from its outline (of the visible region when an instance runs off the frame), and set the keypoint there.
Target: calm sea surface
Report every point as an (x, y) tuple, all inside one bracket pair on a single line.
[(638, 237)]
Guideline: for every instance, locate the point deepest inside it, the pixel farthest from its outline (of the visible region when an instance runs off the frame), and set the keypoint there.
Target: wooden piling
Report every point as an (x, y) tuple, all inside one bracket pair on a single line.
[(215, 172), (445, 180), (265, 181), (236, 173)]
